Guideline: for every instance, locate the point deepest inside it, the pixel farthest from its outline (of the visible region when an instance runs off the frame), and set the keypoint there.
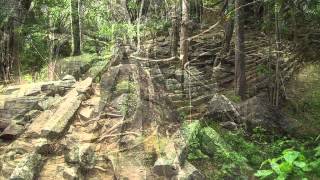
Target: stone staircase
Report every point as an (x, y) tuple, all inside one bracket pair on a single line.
[(202, 79), (191, 97)]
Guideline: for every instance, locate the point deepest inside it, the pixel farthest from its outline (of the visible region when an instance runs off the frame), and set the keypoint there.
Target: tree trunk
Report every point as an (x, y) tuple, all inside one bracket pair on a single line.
[(14, 13), (175, 30), (138, 26), (240, 78), (51, 42), (228, 27), (277, 34), (75, 20), (184, 43)]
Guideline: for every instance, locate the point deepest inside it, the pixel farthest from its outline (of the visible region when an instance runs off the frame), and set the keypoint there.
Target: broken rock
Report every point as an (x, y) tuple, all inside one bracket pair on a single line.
[(27, 168)]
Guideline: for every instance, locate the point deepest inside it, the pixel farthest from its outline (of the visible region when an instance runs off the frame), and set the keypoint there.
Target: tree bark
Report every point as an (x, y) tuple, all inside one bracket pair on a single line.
[(277, 34), (175, 30), (184, 43), (14, 13), (76, 34), (240, 78), (228, 26), (138, 26)]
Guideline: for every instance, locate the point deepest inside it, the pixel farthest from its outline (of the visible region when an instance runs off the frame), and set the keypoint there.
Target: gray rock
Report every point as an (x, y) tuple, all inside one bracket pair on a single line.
[(42, 146), (166, 168), (211, 143), (12, 131), (48, 102), (68, 78), (175, 155), (258, 112), (28, 168), (60, 120), (86, 113), (82, 155), (189, 172), (222, 109), (71, 173), (19, 106), (172, 84), (229, 125), (31, 114)]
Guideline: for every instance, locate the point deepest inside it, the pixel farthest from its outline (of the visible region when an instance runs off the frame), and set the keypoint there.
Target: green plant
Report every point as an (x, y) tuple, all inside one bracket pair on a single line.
[(290, 163)]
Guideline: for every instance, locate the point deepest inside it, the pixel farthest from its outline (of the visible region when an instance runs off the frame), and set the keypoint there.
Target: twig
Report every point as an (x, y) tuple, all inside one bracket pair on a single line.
[(154, 60)]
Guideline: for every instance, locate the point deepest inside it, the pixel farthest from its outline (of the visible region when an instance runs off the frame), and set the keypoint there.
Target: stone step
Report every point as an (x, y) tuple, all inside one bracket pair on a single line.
[(194, 116), (200, 100), (226, 80), (200, 82), (187, 109)]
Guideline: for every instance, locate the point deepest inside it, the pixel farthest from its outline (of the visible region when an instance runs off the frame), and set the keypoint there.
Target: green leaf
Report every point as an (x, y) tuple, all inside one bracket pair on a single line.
[(285, 167), (302, 165), (263, 173), (282, 176), (275, 166), (291, 156)]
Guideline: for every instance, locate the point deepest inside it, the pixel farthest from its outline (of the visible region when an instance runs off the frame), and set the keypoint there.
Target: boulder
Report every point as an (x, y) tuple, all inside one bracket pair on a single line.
[(86, 113), (3, 125), (173, 158), (17, 106), (35, 128), (229, 125), (211, 142), (28, 168), (258, 112), (71, 173), (12, 131), (189, 172), (60, 120), (49, 102), (166, 168), (221, 109), (31, 114), (82, 155)]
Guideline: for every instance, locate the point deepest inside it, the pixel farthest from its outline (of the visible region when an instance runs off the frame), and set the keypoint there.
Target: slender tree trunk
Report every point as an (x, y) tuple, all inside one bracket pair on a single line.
[(138, 26), (240, 78), (184, 43), (75, 20), (175, 31), (51, 41), (277, 34), (228, 27)]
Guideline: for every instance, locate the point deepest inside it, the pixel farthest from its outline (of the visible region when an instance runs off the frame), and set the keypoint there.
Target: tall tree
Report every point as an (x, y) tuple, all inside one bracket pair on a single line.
[(277, 36), (76, 34), (240, 77), (12, 16), (184, 43), (229, 24), (175, 29), (138, 26)]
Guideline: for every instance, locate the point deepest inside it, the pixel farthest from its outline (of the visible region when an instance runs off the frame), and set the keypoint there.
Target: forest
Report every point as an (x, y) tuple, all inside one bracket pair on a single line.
[(160, 89)]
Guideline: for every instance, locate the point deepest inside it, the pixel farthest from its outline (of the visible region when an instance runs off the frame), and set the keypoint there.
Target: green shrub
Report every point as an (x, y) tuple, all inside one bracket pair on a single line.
[(291, 164)]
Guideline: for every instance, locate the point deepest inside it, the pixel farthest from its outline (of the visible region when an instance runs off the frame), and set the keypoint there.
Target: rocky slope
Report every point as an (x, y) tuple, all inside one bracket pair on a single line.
[(129, 126)]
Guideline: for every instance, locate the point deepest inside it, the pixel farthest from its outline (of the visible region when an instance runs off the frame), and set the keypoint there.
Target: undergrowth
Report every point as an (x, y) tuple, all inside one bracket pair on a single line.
[(221, 154)]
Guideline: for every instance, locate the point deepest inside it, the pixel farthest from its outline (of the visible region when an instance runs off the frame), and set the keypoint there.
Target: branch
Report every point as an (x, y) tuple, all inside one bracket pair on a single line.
[(154, 60)]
